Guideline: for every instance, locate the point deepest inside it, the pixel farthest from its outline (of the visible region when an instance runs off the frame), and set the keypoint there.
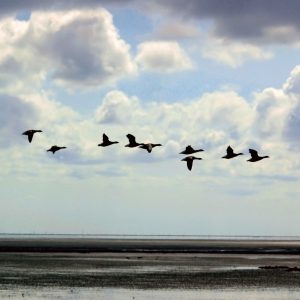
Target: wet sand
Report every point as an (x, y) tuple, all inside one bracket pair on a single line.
[(148, 264)]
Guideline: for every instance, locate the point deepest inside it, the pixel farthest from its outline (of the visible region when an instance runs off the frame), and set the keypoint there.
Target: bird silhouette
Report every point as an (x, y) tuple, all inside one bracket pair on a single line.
[(230, 153), (189, 161), (149, 146), (255, 157), (106, 142), (132, 143), (190, 150), (30, 134), (55, 148)]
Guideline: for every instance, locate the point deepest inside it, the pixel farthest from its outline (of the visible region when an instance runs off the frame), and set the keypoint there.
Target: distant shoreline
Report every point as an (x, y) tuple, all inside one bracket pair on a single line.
[(74, 244)]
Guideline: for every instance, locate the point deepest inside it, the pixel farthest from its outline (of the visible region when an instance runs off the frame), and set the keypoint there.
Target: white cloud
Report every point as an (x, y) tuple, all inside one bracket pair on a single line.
[(163, 56), (268, 122), (233, 53), (75, 48), (272, 107), (117, 108), (292, 84)]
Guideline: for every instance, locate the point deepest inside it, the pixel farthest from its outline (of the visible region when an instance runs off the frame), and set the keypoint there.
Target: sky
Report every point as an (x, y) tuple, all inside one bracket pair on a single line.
[(205, 73)]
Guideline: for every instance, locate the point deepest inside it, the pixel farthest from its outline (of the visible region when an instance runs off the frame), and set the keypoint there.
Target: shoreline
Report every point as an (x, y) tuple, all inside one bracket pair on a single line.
[(117, 245)]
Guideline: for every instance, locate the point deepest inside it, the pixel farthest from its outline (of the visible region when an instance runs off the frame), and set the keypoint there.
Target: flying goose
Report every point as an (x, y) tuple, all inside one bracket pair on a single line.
[(30, 134), (149, 146), (132, 143), (255, 157), (230, 153), (55, 148), (106, 142), (189, 161), (190, 150)]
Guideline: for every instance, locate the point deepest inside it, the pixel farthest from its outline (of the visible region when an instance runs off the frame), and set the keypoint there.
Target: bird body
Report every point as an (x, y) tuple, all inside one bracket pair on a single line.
[(149, 146), (255, 157), (190, 150), (30, 133), (132, 142), (106, 142), (230, 153), (55, 148), (189, 161)]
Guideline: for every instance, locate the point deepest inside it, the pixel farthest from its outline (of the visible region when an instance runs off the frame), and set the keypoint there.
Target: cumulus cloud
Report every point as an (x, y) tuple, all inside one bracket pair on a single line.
[(233, 53), (268, 122), (74, 48), (117, 108), (277, 115), (292, 84), (163, 56)]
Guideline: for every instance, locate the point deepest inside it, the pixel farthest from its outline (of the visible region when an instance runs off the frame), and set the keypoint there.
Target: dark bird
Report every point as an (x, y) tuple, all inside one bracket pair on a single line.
[(132, 143), (30, 134), (189, 161), (255, 157), (190, 150), (230, 153), (55, 148), (106, 142), (149, 146)]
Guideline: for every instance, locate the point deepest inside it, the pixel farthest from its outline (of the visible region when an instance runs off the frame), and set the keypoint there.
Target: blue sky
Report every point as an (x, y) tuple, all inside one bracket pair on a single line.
[(207, 74)]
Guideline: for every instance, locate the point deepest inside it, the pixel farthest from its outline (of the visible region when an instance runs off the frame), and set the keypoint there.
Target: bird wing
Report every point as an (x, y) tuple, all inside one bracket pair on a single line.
[(105, 138), (189, 148), (189, 163), (30, 136), (253, 153), (149, 147), (229, 150), (131, 138)]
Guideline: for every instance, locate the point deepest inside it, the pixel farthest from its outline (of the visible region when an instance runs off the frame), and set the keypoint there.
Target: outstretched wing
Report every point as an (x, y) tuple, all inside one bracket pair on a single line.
[(30, 136), (189, 148), (253, 153), (131, 138), (229, 150), (105, 138), (189, 163)]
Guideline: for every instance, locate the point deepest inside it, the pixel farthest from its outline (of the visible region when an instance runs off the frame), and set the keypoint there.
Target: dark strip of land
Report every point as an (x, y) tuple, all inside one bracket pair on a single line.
[(94, 245)]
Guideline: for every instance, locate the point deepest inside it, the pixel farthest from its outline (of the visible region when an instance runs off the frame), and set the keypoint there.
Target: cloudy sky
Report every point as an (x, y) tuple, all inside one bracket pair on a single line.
[(208, 73)]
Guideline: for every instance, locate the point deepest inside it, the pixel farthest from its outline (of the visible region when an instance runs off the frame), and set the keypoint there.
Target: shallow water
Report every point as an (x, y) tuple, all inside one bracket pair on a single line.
[(130, 294)]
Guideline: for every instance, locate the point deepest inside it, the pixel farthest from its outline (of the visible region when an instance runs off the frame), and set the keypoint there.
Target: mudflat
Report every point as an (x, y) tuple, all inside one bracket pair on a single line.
[(149, 264)]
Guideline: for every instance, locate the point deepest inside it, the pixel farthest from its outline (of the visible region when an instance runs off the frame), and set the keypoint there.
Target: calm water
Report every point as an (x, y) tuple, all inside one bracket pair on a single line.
[(128, 294)]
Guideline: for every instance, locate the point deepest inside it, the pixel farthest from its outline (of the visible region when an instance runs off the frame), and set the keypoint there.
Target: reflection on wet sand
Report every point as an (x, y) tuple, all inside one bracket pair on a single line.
[(152, 270)]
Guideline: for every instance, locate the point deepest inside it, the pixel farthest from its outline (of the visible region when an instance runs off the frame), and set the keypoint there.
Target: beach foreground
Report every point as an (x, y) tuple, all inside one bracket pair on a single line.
[(149, 264)]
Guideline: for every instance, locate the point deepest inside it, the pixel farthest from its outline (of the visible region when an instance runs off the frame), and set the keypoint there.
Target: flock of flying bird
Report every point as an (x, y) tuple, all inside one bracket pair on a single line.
[(189, 150)]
